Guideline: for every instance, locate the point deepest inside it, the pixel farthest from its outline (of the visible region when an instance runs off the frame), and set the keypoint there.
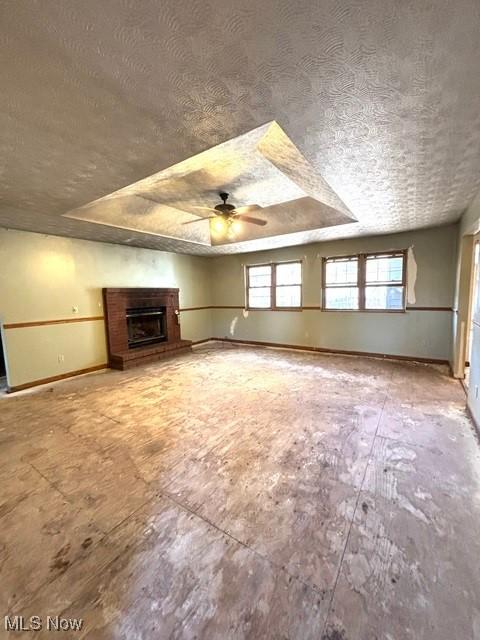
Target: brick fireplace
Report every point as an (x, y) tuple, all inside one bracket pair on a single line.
[(142, 326)]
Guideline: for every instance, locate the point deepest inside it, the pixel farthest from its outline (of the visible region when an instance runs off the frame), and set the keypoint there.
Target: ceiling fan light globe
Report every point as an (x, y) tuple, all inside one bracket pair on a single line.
[(218, 225), (235, 227)]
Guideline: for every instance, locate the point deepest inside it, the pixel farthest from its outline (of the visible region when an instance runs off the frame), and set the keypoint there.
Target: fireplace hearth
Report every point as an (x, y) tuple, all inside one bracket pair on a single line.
[(142, 326), (145, 325)]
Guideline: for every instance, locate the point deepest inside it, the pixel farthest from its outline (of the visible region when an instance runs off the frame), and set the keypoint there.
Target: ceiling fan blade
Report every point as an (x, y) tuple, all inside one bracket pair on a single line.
[(260, 223), (248, 209), (211, 209), (199, 220)]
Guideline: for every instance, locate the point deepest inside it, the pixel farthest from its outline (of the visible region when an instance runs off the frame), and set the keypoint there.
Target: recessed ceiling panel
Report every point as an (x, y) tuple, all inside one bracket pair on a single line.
[(133, 213), (262, 167)]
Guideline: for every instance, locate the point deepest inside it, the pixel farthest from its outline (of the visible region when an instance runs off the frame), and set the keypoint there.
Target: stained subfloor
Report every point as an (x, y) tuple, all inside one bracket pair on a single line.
[(238, 493)]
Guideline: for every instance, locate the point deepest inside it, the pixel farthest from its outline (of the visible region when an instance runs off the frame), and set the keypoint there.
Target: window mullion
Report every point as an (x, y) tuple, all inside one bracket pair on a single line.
[(273, 284), (362, 262), (404, 278)]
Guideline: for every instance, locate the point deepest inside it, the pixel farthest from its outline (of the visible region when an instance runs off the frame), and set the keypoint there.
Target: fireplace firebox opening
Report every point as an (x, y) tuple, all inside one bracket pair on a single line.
[(146, 325)]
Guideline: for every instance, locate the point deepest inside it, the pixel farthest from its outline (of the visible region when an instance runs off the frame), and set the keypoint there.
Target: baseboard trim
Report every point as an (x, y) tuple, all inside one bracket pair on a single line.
[(71, 374), (62, 376), (255, 343), (344, 352)]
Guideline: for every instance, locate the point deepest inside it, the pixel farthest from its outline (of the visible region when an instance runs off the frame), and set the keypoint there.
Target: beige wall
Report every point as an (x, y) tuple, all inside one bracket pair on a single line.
[(44, 277), (425, 334)]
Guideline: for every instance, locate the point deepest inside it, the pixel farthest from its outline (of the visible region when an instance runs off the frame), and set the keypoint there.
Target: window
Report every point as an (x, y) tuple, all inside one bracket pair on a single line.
[(274, 286), (384, 285), (341, 283), (288, 284), (365, 282), (259, 284)]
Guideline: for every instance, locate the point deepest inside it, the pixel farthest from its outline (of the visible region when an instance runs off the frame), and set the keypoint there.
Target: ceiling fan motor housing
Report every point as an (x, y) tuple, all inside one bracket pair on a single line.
[(224, 208)]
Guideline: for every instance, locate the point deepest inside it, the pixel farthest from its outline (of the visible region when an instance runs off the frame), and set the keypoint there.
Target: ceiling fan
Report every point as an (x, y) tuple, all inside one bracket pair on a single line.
[(227, 214)]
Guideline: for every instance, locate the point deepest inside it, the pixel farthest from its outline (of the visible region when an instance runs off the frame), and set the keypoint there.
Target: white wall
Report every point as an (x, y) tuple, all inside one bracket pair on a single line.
[(421, 334)]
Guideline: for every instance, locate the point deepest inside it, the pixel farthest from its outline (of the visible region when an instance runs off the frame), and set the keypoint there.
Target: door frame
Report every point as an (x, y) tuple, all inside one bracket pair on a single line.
[(472, 298), (4, 349)]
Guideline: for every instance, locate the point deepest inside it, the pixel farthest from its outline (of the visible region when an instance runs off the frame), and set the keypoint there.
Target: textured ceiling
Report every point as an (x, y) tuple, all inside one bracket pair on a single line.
[(262, 167), (381, 97)]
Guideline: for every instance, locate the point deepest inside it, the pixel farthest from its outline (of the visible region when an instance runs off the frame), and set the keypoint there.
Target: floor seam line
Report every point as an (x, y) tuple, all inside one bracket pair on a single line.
[(119, 524), (104, 415), (50, 483), (243, 544), (340, 564)]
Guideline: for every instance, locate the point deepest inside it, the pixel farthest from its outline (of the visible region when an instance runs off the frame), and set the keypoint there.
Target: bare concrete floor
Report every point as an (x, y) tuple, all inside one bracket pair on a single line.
[(244, 493)]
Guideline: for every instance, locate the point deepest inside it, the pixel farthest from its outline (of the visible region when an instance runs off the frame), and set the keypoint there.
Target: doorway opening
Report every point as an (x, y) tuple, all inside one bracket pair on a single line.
[(471, 311)]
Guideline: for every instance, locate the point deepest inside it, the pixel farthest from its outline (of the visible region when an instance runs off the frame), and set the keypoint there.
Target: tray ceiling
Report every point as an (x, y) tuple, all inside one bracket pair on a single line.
[(262, 167), (379, 98)]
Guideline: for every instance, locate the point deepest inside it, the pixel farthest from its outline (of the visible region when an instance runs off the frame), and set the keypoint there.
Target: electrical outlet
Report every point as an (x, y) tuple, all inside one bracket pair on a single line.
[(61, 357)]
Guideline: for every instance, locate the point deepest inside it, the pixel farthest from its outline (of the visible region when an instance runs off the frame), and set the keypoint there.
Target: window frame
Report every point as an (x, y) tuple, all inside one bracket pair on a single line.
[(361, 280), (273, 286)]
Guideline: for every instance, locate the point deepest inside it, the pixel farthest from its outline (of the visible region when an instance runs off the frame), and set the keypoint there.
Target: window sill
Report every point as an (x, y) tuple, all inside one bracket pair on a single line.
[(273, 308), (327, 310), (364, 310)]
